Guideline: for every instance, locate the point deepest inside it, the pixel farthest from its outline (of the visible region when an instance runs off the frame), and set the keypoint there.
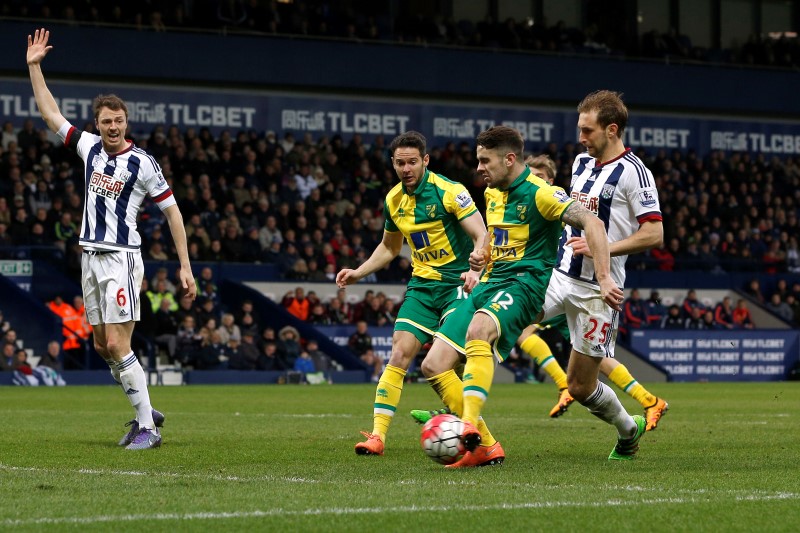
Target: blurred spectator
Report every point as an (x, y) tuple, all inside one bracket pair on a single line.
[(7, 357), (268, 358), (322, 361), (163, 275), (5, 325), (794, 304), (304, 363), (753, 290), (66, 232), (73, 345), (190, 341), (360, 341), (655, 309), (335, 312), (695, 320), (297, 304), (52, 357), (288, 346), (673, 318), (319, 316), (372, 360), (23, 371), (780, 308), (186, 307), (246, 357), (206, 311), (389, 312), (162, 293), (372, 313), (723, 314), (247, 309), (634, 313), (10, 337), (690, 303), (742, 317), (213, 354), (166, 329), (228, 329)]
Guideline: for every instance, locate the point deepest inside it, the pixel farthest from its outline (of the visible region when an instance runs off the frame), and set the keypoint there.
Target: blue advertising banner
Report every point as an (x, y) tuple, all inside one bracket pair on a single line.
[(381, 337), (762, 355), (369, 117)]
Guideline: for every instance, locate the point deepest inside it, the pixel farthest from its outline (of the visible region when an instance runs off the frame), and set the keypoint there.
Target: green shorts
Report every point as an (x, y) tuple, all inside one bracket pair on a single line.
[(559, 324), (513, 304), (425, 304)]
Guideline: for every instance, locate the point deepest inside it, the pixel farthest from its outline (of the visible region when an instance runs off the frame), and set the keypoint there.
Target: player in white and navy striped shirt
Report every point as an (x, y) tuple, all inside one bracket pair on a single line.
[(615, 185), (117, 178)]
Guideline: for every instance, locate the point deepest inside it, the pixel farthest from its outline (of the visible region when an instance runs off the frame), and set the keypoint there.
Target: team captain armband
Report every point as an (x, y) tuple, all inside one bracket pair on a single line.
[(70, 135), (164, 199)]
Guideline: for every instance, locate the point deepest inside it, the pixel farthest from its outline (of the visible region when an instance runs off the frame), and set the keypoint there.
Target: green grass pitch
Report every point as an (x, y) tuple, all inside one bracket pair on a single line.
[(280, 458)]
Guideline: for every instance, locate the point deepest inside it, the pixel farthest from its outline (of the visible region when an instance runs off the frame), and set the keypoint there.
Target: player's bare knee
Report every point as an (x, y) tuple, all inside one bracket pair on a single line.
[(429, 368), (580, 391), (400, 358)]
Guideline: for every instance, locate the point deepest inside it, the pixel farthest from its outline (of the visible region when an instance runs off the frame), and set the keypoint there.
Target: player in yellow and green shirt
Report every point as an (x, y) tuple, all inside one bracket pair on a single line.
[(524, 214), (438, 219)]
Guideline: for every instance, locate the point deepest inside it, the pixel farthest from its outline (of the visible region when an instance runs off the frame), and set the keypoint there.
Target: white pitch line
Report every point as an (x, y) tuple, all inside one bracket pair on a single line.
[(343, 511), (738, 494), (213, 477)]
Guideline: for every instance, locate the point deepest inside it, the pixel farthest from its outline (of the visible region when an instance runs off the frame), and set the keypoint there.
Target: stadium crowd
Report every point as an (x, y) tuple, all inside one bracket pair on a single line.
[(373, 21), (312, 206)]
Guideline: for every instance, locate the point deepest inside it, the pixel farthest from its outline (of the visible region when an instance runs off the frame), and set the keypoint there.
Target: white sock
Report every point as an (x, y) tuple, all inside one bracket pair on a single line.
[(605, 405), (114, 370), (134, 383)]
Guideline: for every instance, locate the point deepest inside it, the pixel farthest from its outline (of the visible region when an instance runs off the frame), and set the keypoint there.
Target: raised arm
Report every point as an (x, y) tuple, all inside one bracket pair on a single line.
[(579, 217), (387, 250), (37, 50)]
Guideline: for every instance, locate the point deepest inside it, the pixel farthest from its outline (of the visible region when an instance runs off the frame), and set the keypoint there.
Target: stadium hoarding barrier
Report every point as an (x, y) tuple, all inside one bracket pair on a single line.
[(240, 110), (756, 355)]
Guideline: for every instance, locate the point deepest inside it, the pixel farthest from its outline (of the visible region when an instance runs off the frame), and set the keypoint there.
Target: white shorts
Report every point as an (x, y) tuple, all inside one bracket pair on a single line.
[(592, 323), (111, 282)]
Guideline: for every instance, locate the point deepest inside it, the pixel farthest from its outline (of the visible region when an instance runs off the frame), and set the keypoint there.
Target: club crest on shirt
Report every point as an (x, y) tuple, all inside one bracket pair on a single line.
[(522, 211), (431, 210), (97, 163), (607, 192), (647, 198)]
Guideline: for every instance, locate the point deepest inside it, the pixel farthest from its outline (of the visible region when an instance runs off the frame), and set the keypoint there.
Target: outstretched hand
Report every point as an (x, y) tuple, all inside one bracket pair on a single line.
[(188, 286), (37, 46), (345, 277), (471, 278)]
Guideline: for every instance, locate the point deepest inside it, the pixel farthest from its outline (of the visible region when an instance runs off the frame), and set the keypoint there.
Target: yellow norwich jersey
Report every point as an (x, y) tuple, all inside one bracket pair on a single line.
[(525, 226), (429, 220)]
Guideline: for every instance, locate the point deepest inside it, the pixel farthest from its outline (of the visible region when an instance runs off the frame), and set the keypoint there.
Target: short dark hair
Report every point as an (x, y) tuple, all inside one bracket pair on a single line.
[(609, 106), (502, 137), (111, 101), (409, 139)]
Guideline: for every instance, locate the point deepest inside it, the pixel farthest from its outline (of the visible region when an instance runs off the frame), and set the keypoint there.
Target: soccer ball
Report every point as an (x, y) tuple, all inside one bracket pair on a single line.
[(441, 439)]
